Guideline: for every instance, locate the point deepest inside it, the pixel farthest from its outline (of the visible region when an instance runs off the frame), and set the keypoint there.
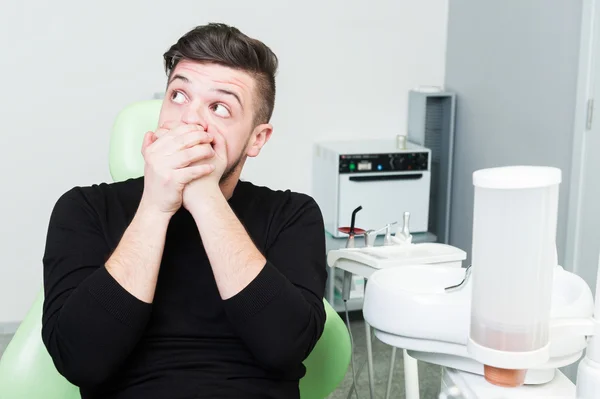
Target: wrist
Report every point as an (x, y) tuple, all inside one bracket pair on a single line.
[(152, 217), (204, 200)]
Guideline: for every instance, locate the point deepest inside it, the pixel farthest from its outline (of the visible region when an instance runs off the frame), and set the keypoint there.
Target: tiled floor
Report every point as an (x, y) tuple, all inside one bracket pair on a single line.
[(429, 375)]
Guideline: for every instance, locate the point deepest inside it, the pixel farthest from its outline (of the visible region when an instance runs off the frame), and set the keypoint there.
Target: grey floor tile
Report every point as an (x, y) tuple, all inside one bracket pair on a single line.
[(429, 375)]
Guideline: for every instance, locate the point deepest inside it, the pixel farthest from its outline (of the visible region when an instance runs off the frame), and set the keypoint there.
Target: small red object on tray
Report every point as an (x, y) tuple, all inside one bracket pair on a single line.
[(346, 230)]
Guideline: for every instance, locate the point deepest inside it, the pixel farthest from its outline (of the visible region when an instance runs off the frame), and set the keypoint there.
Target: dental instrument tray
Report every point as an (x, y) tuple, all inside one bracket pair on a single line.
[(381, 257)]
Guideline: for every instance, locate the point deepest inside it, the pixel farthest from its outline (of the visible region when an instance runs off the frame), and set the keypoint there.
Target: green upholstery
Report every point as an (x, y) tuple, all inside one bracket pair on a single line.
[(125, 153), (26, 369), (327, 364)]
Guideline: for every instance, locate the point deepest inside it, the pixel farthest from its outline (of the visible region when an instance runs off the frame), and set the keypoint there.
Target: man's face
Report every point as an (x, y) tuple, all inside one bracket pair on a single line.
[(221, 100)]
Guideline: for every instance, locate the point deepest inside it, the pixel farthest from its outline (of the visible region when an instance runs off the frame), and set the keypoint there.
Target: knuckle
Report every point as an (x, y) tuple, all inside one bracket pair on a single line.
[(180, 139), (190, 155), (201, 151), (195, 137), (188, 139), (198, 135)]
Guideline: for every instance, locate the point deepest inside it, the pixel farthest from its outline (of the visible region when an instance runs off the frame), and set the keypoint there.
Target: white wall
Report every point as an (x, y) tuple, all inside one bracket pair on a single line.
[(69, 66)]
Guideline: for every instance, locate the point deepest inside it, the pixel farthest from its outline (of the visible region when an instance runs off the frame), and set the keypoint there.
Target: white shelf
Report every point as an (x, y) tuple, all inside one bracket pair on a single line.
[(337, 243)]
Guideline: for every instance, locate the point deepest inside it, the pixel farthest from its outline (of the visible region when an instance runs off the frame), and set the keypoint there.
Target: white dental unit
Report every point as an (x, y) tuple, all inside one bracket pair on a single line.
[(502, 327)]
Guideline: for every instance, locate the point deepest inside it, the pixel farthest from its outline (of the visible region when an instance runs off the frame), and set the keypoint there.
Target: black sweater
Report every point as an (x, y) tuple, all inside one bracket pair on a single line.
[(189, 343)]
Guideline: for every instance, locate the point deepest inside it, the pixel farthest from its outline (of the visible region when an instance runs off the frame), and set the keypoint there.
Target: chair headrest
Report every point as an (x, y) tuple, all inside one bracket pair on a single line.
[(127, 135)]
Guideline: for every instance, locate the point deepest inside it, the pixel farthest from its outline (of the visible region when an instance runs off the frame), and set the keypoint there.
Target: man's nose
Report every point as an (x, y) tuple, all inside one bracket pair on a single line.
[(194, 116)]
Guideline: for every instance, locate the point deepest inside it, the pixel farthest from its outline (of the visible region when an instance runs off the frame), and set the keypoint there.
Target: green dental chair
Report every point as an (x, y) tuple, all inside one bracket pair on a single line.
[(26, 369)]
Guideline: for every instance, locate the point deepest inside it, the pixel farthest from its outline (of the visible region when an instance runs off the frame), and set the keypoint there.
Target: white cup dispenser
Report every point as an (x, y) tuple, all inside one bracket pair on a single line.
[(513, 261)]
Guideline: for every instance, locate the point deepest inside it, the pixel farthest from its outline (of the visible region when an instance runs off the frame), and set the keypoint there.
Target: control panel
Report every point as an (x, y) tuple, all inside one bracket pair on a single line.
[(391, 162)]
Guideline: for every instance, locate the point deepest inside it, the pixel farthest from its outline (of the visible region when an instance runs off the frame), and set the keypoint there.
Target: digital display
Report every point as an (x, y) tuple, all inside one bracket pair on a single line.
[(364, 165)]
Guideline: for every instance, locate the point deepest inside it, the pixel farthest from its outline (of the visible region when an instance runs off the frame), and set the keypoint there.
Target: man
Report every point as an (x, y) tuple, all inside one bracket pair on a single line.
[(187, 282)]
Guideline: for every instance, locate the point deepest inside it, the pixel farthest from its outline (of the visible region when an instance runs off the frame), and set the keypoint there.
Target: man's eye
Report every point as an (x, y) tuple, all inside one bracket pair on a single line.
[(220, 110), (178, 97)]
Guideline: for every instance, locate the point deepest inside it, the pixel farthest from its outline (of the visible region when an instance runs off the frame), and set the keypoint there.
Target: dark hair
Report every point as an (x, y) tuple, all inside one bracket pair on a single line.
[(225, 45)]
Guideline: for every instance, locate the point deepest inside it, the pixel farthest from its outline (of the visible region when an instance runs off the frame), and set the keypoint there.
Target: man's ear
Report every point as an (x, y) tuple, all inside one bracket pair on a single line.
[(260, 135)]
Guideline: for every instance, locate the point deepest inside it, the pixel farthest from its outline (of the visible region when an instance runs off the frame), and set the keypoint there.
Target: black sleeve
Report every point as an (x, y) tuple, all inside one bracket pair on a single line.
[(280, 315), (90, 323)]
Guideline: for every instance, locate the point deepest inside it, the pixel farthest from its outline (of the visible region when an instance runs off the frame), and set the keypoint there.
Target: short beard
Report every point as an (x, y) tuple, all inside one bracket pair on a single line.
[(231, 169)]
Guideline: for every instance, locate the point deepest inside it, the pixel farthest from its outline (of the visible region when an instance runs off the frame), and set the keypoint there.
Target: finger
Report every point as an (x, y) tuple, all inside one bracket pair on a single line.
[(160, 133), (148, 140), (168, 145), (194, 172), (183, 129), (220, 145), (193, 138), (170, 124), (190, 155), (165, 127), (153, 138)]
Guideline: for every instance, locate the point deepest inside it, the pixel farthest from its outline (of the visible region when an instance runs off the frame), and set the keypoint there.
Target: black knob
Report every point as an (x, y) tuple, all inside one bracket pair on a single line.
[(401, 162), (423, 161)]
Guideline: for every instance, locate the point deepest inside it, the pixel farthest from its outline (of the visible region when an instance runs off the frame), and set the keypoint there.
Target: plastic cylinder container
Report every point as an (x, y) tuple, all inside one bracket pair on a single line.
[(513, 261)]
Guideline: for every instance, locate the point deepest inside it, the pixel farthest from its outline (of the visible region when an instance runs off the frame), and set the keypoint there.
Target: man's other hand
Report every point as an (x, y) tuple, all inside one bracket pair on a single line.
[(208, 184), (174, 155)]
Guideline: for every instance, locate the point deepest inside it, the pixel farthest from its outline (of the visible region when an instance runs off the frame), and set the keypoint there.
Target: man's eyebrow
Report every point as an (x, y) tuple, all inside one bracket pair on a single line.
[(230, 93), (180, 77), (222, 91)]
